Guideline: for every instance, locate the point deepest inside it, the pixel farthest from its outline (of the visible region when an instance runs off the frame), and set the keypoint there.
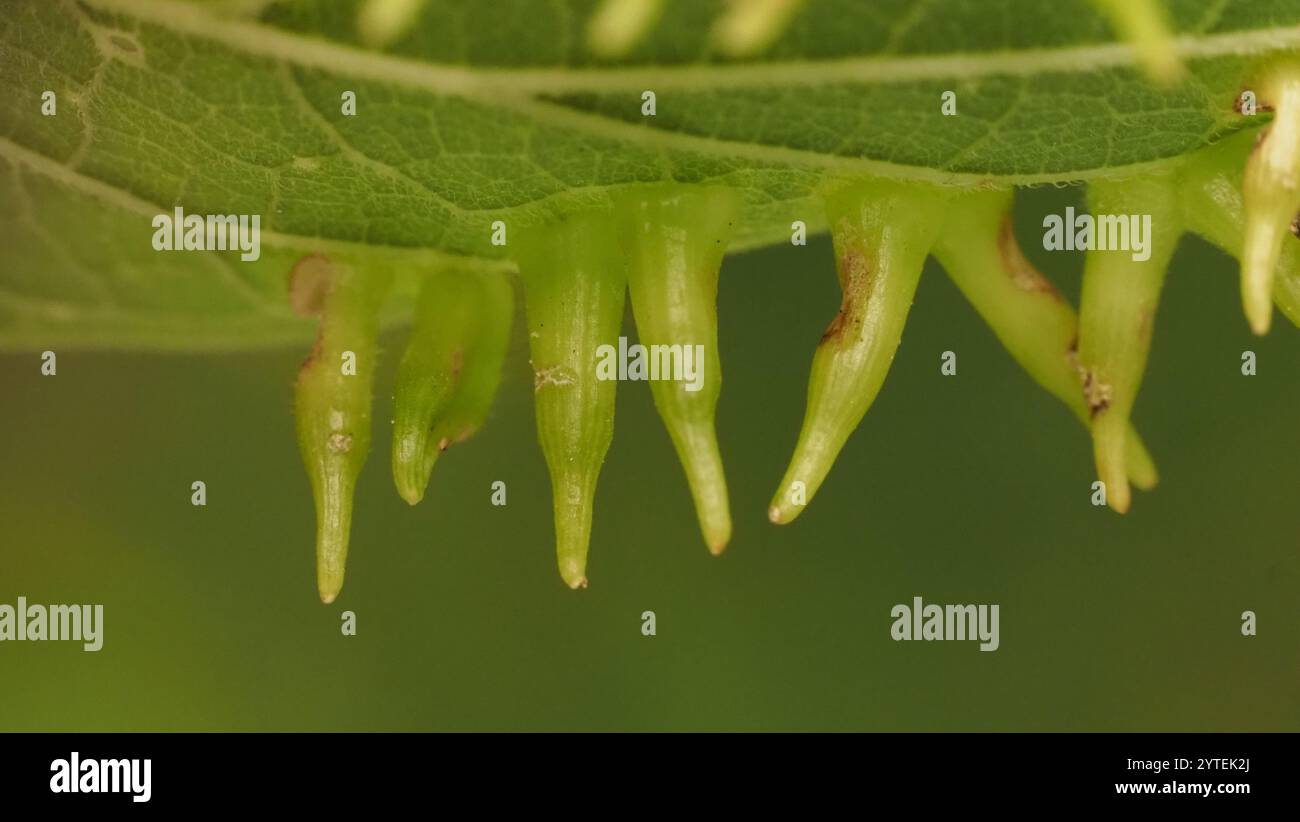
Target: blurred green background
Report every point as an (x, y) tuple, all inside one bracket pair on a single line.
[(972, 488)]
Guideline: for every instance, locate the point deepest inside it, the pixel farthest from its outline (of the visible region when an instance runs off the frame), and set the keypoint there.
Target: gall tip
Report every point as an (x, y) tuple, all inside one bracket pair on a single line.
[(715, 525), (412, 494), (1109, 447), (1258, 303), (1141, 468), (1263, 247), (331, 556), (782, 514), (573, 573)]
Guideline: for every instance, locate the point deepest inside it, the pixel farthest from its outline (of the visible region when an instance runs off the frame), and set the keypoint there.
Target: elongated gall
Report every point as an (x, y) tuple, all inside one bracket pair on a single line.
[(1209, 192), (574, 282), (882, 232), (450, 371), (676, 238), (1121, 291), (332, 401), (1038, 327), (1271, 191)]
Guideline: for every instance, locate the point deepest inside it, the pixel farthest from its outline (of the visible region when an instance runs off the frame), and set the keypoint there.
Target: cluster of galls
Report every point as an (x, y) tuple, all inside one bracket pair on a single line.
[(664, 244)]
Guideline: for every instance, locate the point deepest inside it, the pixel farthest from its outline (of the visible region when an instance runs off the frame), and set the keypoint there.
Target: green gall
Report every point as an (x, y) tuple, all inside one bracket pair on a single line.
[(450, 370), (332, 400), (882, 232), (574, 284), (676, 238)]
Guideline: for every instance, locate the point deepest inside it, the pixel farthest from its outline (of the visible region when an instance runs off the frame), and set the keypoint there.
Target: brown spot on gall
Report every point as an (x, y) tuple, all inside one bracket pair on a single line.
[(1096, 393), (340, 443), (310, 281), (1020, 270), (856, 282)]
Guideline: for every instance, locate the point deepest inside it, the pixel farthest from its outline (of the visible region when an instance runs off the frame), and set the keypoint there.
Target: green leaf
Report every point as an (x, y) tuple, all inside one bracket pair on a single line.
[(475, 112)]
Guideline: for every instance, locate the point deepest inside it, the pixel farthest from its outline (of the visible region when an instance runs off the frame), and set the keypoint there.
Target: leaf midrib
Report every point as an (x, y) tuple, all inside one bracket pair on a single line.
[(517, 90), (486, 84)]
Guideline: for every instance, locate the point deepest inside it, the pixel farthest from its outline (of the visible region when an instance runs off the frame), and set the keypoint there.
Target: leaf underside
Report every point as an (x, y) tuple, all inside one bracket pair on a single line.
[(485, 111)]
